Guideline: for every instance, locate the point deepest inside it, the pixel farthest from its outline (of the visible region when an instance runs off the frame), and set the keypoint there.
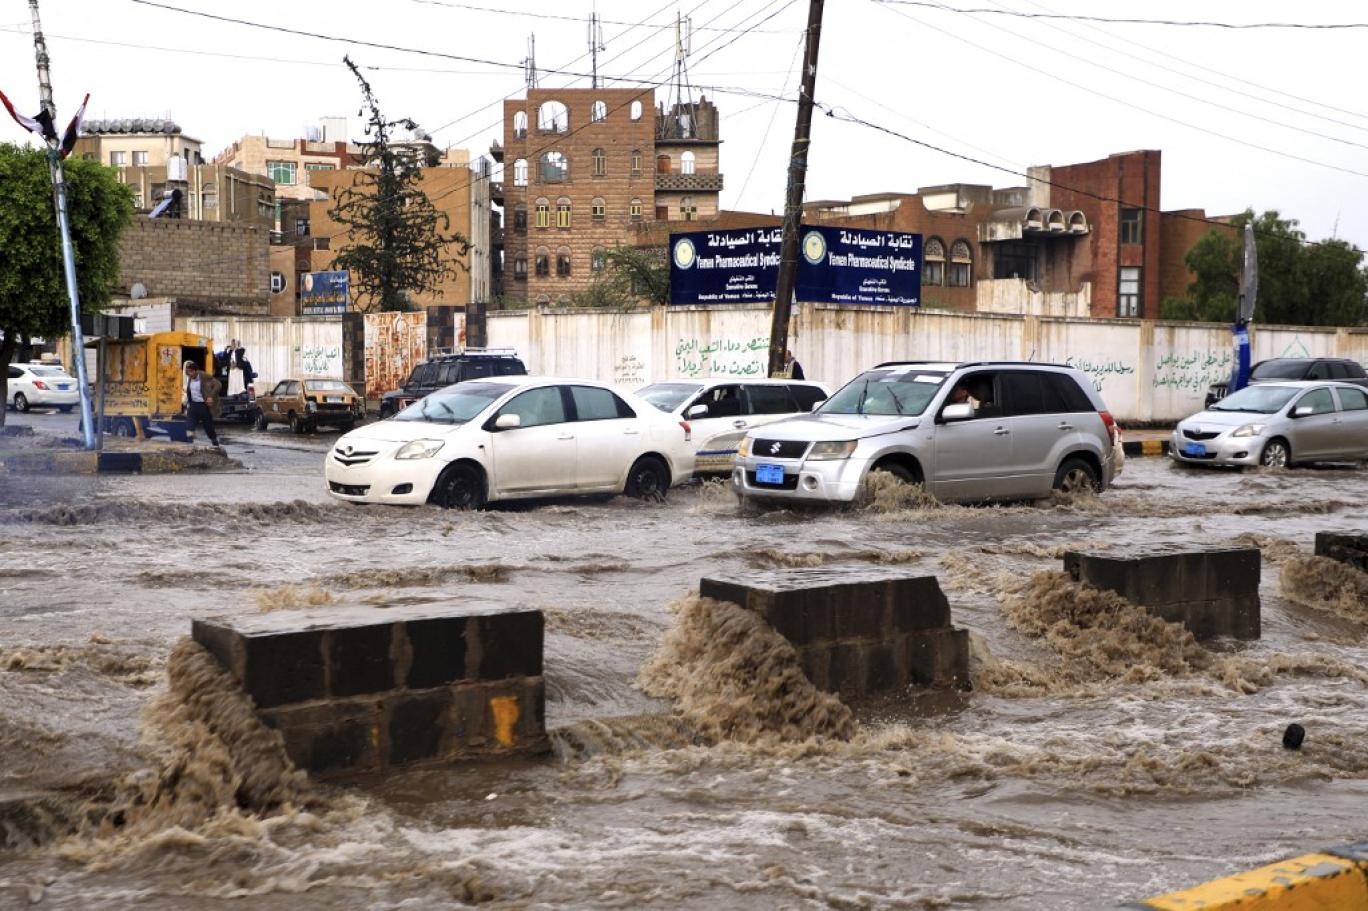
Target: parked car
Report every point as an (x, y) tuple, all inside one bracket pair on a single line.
[(443, 370), (43, 385), (307, 404), (1277, 424), (720, 411), (1279, 369), (1021, 431), (512, 437)]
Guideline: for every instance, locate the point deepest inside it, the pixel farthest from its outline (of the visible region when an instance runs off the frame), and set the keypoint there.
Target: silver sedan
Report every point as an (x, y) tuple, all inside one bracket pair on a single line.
[(1276, 424)]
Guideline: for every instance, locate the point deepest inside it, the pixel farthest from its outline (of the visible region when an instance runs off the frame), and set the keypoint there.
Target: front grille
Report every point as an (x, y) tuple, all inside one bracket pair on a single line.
[(356, 457), (334, 406), (349, 490), (790, 482), (1200, 434), (778, 449), (1207, 455)]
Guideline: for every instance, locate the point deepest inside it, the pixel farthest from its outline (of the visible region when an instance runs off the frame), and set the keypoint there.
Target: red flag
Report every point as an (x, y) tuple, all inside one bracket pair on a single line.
[(40, 124), (73, 129)]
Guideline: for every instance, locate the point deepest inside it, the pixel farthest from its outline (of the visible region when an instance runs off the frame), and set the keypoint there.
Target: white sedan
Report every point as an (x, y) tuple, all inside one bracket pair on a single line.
[(42, 385), (510, 438)]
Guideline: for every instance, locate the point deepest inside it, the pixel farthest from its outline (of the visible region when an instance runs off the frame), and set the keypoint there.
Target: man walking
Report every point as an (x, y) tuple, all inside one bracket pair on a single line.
[(201, 396), (792, 369)]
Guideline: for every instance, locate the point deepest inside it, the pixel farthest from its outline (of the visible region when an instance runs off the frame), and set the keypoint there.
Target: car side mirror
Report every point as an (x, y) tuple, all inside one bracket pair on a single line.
[(1302, 411), (698, 411), (960, 411), (818, 404), (507, 421)]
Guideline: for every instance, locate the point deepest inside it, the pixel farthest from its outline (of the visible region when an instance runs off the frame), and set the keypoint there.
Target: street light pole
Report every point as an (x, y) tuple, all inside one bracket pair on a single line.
[(54, 144)]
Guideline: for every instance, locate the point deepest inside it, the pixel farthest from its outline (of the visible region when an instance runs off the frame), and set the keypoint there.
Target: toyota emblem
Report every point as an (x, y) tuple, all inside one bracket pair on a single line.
[(347, 450), (775, 448)]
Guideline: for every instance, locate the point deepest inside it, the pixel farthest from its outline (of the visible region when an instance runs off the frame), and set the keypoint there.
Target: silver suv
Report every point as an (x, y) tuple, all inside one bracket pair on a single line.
[(977, 431)]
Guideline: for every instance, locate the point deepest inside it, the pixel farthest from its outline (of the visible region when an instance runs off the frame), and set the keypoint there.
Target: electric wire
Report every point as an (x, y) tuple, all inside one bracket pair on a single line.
[(929, 4)]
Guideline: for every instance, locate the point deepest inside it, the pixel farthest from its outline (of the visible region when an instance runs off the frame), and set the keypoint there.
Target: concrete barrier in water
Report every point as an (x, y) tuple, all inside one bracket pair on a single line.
[(1211, 591), (1333, 879), (1346, 547), (857, 637), (364, 689)]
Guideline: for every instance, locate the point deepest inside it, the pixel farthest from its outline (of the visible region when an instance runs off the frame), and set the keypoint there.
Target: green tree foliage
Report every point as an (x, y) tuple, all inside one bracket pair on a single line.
[(398, 240), (1321, 284), (33, 298), (631, 276)]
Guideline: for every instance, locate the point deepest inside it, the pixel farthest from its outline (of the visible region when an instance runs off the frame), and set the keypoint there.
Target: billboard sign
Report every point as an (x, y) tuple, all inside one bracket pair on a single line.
[(724, 267), (324, 293)]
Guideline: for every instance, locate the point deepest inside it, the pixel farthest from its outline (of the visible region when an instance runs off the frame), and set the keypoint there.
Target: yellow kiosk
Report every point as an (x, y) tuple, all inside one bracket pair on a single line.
[(143, 382)]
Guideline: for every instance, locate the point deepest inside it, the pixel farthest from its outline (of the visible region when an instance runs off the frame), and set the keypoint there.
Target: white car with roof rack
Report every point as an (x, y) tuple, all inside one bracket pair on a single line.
[(1020, 431)]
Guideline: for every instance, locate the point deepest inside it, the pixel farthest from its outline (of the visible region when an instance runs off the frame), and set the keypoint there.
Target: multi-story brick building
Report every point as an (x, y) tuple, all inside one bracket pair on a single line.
[(205, 268), (584, 169)]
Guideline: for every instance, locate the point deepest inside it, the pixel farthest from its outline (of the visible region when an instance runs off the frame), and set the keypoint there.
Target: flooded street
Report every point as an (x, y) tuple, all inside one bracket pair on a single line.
[(1099, 758)]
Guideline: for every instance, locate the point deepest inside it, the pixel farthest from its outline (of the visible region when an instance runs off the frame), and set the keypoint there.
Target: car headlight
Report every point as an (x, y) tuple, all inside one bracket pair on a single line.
[(743, 448), (832, 450), (1248, 430), (419, 449)]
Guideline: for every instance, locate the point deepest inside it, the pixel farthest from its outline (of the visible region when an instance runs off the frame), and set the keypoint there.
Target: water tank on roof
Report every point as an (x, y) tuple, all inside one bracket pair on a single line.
[(125, 126)]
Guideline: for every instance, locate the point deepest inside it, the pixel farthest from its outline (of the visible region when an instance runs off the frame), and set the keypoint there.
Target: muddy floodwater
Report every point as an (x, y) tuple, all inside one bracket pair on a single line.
[(1099, 758)]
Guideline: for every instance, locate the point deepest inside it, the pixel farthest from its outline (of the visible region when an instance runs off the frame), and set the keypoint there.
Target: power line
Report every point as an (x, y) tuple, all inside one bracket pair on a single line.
[(1117, 100), (524, 14), (797, 52), (930, 4)]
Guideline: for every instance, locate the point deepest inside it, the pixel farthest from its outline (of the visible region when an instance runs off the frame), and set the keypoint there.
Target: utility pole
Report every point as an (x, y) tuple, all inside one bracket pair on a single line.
[(793, 205), (54, 144)]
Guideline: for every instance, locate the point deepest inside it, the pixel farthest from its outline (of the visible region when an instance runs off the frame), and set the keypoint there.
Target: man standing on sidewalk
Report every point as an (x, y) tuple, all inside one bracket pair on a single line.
[(201, 396)]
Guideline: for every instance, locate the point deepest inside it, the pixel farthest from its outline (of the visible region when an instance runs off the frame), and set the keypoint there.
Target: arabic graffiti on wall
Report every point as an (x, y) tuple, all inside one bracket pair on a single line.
[(696, 356), (1193, 371), (1099, 370), (629, 371), (321, 360)]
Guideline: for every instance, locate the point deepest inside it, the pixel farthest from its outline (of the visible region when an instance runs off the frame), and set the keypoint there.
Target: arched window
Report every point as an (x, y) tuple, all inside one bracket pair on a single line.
[(636, 162), (520, 219), (600, 163), (687, 210), (635, 110), (599, 111), (662, 164), (598, 260), (563, 262), (543, 212), (553, 117), (933, 263), (563, 212), (636, 209), (686, 163), (598, 209), (553, 167), (520, 125), (961, 264), (543, 263), (520, 269), (520, 172)]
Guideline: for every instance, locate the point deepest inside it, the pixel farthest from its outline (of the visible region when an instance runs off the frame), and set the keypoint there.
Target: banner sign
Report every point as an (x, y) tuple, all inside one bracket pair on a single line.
[(324, 294), (836, 265)]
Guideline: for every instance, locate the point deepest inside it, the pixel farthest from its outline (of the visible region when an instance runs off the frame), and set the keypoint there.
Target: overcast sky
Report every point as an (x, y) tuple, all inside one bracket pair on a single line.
[(1274, 118)]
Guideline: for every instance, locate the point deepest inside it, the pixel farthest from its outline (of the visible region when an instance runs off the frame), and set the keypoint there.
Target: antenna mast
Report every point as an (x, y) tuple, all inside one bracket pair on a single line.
[(530, 62), (683, 117), (596, 43)]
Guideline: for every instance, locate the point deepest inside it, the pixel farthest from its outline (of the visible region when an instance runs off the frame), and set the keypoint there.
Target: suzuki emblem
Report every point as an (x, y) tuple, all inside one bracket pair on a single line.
[(774, 449)]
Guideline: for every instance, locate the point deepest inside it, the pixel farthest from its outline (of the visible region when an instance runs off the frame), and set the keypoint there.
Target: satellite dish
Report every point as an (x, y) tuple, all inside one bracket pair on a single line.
[(138, 291)]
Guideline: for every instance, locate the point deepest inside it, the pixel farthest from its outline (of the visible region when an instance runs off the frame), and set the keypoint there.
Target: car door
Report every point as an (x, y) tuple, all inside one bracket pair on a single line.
[(293, 400), (608, 438), (971, 454), (767, 403), (1352, 441), (1041, 431), (271, 402), (537, 456), (1313, 434), (717, 433)]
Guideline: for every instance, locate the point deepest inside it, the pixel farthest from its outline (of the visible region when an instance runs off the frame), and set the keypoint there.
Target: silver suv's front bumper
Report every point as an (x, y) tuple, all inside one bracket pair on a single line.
[(826, 480)]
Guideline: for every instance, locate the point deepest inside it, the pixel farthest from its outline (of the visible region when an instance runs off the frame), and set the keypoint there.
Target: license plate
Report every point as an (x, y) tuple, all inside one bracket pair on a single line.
[(1194, 449), (769, 474), (332, 398), (63, 386)]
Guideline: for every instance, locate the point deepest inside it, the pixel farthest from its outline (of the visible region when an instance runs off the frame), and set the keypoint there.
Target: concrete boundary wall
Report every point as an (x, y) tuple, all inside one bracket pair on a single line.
[(1147, 371), (279, 347)]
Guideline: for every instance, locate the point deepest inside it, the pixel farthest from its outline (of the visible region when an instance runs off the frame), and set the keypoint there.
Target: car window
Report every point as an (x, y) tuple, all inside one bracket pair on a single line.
[(722, 402), (595, 404), (1319, 400), (806, 396), (1064, 388), (901, 390), (424, 375), (446, 374), (668, 396), (769, 399), (326, 386), (1336, 370), (510, 367), (455, 405), (1278, 370), (983, 389), (47, 371), (537, 407), (476, 368), (1023, 393), (1355, 370), (1319, 371), (280, 387), (292, 387), (1256, 399), (15, 373), (1353, 399)]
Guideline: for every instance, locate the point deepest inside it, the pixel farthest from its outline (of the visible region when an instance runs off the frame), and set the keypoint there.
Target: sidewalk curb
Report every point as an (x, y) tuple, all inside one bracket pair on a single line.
[(89, 463), (1334, 878), (1146, 448)]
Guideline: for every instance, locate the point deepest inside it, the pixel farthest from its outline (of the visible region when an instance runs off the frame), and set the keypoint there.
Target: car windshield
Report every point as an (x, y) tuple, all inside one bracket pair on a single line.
[(1279, 370), (48, 371), (454, 404), (326, 386), (899, 391), (668, 396), (1257, 399)]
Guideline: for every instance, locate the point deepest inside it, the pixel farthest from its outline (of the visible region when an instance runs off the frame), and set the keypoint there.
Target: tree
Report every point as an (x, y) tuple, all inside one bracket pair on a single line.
[(33, 297), (397, 240), (631, 275)]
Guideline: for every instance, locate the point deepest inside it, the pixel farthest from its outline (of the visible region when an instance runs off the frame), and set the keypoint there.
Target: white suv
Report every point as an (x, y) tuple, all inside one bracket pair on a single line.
[(975, 431), (42, 385)]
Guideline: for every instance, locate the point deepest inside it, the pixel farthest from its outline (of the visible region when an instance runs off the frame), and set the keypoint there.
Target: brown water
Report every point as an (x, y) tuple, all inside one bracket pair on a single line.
[(1103, 756)]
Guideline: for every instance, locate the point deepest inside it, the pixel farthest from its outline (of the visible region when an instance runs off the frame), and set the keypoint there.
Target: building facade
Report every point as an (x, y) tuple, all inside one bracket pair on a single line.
[(290, 163), (136, 142)]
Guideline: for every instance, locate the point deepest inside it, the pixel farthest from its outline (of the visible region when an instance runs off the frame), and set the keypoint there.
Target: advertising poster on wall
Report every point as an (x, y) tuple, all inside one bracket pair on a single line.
[(395, 343), (324, 293)]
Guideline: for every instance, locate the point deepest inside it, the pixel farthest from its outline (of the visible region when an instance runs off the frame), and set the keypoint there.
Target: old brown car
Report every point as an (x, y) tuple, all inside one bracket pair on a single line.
[(307, 405)]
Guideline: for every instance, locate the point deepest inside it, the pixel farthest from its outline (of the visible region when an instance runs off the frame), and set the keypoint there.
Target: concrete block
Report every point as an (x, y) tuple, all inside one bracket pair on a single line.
[(918, 603), (417, 725), (848, 674), (509, 644), (1346, 547), (437, 651), (882, 668), (330, 736), (360, 660), (815, 661)]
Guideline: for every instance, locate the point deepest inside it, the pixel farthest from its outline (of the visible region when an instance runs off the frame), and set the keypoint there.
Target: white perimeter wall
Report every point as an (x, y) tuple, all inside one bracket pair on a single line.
[(279, 348)]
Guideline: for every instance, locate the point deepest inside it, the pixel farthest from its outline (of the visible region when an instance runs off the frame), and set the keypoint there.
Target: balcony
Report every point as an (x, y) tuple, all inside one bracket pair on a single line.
[(688, 183), (496, 151), (496, 192)]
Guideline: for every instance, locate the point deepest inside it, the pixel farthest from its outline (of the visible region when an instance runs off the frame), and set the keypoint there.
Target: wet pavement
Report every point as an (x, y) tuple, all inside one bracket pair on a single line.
[(1098, 759)]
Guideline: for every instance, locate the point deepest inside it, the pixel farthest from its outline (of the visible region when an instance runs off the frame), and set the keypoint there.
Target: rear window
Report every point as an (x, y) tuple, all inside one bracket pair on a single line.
[(770, 399), (1353, 399), (1279, 370), (509, 366), (1065, 390), (326, 386), (47, 371), (1355, 370), (424, 375), (806, 396), (668, 396), (471, 370)]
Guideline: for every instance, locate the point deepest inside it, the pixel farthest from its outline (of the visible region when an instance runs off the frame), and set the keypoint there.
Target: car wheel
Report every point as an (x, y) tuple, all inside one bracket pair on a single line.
[(65, 409), (1276, 454), (897, 471), (1075, 475), (296, 423), (649, 479), (21, 403), (460, 487), (261, 423)]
